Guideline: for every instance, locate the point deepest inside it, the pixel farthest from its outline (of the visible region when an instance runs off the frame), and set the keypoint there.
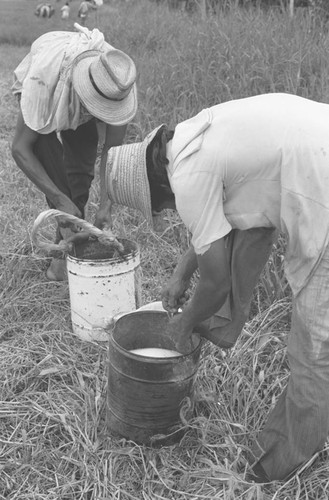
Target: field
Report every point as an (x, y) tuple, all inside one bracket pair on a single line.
[(54, 443)]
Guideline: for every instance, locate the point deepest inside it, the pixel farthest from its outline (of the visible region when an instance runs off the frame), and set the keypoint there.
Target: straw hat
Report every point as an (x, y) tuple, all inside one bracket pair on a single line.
[(105, 84), (126, 176)]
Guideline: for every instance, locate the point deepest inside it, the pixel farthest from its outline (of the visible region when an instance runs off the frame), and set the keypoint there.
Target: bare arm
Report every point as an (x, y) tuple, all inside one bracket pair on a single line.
[(114, 136), (209, 296), (213, 286), (23, 154), (173, 292)]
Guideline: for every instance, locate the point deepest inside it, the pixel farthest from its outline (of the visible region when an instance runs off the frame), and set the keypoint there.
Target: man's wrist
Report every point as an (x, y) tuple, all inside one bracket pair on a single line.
[(186, 320), (57, 199)]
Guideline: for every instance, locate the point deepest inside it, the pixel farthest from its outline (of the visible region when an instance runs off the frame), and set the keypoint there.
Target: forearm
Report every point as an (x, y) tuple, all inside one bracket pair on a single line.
[(103, 196), (186, 266), (213, 286), (23, 145), (206, 301), (114, 136), (34, 170)]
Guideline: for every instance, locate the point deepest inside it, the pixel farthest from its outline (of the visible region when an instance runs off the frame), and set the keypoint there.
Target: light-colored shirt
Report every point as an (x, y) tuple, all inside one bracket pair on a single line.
[(262, 161), (48, 100), (65, 10)]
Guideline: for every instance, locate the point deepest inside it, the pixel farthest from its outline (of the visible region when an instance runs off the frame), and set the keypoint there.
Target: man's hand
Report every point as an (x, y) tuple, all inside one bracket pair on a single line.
[(64, 204), (174, 294), (67, 229)]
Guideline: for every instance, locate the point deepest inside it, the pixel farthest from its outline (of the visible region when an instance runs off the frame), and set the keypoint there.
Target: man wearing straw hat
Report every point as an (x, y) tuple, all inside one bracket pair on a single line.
[(71, 86), (237, 173)]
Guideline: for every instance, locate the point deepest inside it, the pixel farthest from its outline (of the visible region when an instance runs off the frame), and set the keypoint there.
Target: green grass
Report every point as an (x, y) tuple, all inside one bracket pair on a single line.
[(54, 441)]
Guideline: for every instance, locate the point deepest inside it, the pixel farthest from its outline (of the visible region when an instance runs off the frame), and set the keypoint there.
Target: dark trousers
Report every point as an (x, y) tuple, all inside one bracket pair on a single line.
[(70, 162)]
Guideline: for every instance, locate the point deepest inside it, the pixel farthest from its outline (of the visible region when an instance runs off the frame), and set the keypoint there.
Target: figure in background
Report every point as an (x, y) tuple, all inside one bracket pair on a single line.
[(65, 11), (44, 10), (84, 9)]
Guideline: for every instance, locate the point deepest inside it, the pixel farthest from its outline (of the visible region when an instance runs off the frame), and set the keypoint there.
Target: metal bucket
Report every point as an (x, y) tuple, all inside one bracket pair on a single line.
[(145, 395), (101, 285)]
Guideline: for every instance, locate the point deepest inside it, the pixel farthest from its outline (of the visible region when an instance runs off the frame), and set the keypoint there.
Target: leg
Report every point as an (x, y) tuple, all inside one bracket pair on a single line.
[(49, 151), (299, 424), (80, 151), (249, 251)]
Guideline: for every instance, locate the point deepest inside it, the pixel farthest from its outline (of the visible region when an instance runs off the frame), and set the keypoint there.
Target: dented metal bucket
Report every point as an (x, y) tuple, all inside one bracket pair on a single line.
[(102, 284), (145, 395)]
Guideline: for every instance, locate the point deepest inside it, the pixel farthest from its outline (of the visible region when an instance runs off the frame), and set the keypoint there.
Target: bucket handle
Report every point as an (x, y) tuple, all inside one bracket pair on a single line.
[(106, 237)]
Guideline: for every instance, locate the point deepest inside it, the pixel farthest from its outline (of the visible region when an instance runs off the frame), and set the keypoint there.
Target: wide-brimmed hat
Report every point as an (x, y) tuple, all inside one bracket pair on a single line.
[(105, 84), (126, 175)]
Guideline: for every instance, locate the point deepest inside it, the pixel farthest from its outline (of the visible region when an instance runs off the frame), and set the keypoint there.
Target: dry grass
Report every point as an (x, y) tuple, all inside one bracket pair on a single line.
[(54, 441)]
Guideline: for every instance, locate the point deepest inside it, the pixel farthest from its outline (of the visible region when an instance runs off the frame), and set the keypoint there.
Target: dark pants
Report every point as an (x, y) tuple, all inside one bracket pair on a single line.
[(70, 163)]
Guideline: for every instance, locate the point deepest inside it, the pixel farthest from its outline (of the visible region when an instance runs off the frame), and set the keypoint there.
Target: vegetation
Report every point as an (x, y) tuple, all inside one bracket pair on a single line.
[(53, 435)]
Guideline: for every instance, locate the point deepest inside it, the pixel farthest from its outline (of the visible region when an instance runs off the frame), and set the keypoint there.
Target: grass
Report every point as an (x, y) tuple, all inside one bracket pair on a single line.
[(53, 435)]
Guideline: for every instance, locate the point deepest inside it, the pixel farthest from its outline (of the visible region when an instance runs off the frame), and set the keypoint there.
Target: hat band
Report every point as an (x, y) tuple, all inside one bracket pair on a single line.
[(98, 90)]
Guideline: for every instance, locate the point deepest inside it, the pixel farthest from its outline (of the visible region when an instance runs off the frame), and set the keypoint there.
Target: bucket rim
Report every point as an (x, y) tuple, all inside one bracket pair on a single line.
[(133, 253), (148, 358)]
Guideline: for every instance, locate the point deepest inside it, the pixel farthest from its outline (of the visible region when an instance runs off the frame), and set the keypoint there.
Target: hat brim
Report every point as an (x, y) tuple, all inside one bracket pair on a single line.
[(126, 176), (107, 110)]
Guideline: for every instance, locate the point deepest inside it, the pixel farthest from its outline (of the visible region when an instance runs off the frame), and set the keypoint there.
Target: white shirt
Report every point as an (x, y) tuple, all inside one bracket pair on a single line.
[(48, 100), (262, 161)]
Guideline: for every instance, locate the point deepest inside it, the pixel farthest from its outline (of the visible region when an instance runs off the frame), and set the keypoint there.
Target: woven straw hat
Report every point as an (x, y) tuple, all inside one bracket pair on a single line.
[(126, 176), (105, 84)]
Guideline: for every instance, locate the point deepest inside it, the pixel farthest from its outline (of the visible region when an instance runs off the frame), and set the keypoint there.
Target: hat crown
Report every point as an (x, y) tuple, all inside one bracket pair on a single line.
[(126, 175), (113, 74)]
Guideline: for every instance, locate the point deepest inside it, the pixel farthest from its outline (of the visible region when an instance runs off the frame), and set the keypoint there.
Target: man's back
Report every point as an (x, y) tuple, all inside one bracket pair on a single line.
[(262, 162)]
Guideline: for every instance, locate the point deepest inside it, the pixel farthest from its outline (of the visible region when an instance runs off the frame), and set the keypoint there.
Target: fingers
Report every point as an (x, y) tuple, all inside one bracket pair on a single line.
[(169, 306), (172, 304), (66, 232), (183, 298), (78, 237)]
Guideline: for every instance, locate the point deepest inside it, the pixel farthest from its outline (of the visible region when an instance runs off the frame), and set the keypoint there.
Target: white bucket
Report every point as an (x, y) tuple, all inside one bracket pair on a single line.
[(102, 286)]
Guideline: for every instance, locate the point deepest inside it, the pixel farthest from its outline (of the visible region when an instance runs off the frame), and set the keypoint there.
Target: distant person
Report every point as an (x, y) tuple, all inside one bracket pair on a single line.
[(69, 83), (51, 10), (65, 11), (84, 9), (44, 10), (237, 173)]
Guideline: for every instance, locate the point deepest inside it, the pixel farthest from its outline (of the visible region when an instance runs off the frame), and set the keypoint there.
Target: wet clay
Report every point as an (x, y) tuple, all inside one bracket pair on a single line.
[(94, 250)]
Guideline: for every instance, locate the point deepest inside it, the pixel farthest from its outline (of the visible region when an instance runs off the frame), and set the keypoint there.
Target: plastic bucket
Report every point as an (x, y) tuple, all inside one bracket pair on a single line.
[(101, 285), (145, 395)]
